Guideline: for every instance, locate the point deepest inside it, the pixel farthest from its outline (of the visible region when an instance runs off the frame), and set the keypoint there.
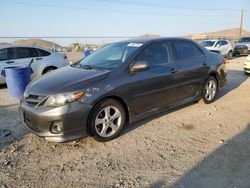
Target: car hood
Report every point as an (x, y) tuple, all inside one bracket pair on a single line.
[(243, 43), (66, 79)]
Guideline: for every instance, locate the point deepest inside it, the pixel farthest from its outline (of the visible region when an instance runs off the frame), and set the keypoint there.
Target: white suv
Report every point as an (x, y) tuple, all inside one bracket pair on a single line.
[(220, 46), (43, 60)]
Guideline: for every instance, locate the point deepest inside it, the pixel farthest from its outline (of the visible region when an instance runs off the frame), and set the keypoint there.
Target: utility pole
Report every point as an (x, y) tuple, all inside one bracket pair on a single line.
[(241, 21)]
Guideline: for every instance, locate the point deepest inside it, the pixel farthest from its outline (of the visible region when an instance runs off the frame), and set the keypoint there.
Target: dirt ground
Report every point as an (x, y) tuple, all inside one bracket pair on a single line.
[(196, 145)]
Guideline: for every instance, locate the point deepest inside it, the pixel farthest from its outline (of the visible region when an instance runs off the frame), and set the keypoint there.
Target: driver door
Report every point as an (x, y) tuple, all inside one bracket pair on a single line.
[(156, 87)]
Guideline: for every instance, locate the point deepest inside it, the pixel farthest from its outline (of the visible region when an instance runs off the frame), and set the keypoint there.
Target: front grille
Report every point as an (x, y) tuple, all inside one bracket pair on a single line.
[(241, 47), (33, 100)]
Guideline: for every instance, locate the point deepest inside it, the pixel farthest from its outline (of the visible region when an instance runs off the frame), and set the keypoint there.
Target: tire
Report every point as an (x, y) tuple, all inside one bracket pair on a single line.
[(230, 55), (49, 69), (107, 120), (209, 90), (246, 73)]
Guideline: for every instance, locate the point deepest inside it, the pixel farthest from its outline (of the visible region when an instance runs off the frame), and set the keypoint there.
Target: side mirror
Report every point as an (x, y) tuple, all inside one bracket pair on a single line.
[(140, 66), (217, 45)]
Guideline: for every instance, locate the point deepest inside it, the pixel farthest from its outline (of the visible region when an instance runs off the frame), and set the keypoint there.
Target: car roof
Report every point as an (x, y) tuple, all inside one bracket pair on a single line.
[(152, 39), (28, 46)]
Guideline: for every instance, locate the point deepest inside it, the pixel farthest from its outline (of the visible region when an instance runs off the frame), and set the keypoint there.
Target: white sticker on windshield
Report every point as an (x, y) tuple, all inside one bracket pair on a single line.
[(136, 45)]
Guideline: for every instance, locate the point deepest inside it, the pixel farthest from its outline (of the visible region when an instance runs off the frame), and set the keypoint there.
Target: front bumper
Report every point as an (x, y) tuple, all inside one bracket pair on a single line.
[(72, 117), (247, 66), (241, 52)]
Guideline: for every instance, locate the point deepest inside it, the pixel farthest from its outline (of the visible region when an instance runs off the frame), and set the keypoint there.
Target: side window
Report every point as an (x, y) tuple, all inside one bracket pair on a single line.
[(186, 49), (43, 52), (156, 54), (23, 52), (224, 42), (7, 54)]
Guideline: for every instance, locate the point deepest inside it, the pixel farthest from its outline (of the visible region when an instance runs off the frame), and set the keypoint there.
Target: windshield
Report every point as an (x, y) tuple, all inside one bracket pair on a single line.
[(207, 43), (110, 56), (244, 39)]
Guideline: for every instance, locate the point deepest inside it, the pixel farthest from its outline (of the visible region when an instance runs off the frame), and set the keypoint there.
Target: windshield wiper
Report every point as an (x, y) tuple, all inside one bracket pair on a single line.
[(88, 67)]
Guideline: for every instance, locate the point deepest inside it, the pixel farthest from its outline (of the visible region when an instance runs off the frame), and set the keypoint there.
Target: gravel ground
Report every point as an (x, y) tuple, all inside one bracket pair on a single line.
[(196, 145)]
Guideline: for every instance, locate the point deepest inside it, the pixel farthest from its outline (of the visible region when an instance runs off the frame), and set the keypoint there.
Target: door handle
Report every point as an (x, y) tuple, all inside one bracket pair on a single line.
[(174, 70), (9, 62), (39, 58)]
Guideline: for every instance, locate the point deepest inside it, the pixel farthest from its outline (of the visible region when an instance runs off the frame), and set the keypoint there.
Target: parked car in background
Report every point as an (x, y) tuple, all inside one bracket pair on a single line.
[(247, 65), (242, 46), (43, 60), (220, 46), (119, 84)]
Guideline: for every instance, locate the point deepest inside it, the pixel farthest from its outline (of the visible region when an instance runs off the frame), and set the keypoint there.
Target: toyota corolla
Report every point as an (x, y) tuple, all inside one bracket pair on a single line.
[(118, 84)]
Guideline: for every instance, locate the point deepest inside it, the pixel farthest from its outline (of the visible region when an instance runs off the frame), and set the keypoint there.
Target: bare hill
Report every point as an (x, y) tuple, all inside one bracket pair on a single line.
[(149, 35), (37, 42), (227, 33)]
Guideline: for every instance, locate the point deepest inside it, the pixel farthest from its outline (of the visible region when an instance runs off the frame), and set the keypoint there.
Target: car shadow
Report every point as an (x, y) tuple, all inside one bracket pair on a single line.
[(228, 166), (12, 128), (234, 79)]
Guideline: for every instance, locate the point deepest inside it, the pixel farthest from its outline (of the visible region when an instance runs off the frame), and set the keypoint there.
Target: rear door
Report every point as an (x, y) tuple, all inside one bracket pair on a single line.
[(7, 58), (224, 47), (156, 87), (25, 55), (192, 68)]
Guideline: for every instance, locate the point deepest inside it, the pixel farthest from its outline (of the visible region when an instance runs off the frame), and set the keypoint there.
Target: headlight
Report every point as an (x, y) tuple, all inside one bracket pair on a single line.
[(248, 45), (62, 99)]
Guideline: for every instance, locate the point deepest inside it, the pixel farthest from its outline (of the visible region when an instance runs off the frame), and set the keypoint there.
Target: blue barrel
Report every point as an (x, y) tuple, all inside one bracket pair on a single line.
[(86, 53), (17, 78)]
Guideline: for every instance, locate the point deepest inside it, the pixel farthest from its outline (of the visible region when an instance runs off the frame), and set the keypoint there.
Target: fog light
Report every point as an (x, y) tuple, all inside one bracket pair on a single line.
[(56, 127)]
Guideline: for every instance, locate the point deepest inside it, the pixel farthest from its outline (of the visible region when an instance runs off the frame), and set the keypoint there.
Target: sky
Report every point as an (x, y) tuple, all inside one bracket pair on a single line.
[(119, 17)]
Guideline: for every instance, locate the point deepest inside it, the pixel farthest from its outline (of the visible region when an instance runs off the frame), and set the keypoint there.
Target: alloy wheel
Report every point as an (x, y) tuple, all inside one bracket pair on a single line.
[(108, 121), (210, 90)]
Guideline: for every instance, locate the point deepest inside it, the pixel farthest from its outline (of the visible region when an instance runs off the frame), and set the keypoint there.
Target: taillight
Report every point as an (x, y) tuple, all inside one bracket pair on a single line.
[(65, 57), (225, 60)]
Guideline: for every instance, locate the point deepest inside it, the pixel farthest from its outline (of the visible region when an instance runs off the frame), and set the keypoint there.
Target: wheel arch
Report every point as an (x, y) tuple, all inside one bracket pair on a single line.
[(216, 76), (49, 67)]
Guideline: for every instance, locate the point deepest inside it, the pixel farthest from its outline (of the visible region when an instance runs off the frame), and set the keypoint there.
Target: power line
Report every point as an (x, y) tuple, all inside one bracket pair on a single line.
[(165, 6), (103, 10)]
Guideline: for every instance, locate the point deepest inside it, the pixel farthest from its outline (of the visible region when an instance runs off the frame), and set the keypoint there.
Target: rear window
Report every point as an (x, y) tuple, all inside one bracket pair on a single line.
[(43, 52), (6, 54), (223, 42), (24, 52), (186, 49), (207, 43)]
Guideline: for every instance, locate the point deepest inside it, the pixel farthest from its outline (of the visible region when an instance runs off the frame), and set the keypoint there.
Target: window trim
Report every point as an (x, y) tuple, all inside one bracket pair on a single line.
[(40, 54)]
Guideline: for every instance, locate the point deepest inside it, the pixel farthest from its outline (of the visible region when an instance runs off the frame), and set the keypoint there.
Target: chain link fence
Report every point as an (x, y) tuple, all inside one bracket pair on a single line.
[(76, 44)]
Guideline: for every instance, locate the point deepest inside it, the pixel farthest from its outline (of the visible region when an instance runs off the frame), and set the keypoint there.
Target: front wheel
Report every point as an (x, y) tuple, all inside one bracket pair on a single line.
[(210, 89), (107, 120)]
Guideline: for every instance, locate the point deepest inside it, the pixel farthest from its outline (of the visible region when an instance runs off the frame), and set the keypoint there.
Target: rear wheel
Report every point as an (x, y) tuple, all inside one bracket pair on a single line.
[(107, 120), (210, 89), (230, 55)]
